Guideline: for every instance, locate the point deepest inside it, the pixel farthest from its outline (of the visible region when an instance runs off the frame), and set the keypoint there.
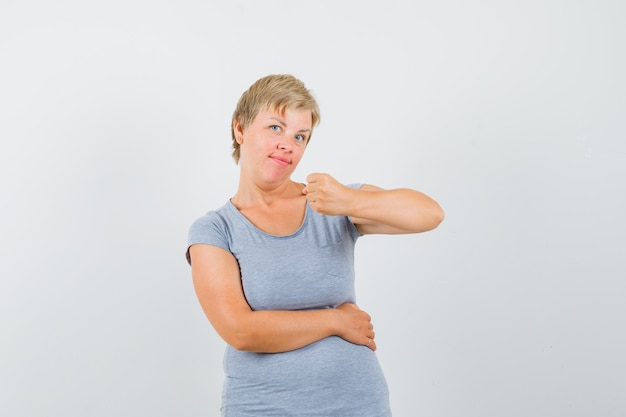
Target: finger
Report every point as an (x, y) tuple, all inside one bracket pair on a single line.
[(310, 187), (312, 177), (371, 344)]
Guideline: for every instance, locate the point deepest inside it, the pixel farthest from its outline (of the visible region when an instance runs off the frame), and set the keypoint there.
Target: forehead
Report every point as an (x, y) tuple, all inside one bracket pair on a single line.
[(300, 118)]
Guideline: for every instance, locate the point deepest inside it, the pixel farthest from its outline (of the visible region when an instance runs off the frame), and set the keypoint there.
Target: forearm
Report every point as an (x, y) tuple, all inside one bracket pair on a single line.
[(403, 210), (275, 331)]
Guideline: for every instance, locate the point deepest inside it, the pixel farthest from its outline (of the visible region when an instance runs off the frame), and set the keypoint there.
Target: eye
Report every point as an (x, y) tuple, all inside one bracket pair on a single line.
[(300, 138), (275, 128)]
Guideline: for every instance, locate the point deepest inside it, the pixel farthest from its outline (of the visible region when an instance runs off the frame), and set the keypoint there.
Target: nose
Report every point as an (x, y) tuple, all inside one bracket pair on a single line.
[(283, 143)]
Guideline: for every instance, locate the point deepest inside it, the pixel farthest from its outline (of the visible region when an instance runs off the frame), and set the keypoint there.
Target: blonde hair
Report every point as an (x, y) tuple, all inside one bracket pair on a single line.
[(273, 92)]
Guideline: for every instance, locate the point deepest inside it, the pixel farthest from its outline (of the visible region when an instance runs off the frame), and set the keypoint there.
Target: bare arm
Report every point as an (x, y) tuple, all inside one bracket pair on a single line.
[(217, 283), (373, 209)]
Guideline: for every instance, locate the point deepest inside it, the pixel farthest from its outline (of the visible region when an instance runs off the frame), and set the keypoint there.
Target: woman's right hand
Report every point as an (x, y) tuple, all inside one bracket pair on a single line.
[(355, 325)]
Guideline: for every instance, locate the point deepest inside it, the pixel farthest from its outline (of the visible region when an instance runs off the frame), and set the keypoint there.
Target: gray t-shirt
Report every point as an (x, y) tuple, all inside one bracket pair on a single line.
[(311, 268)]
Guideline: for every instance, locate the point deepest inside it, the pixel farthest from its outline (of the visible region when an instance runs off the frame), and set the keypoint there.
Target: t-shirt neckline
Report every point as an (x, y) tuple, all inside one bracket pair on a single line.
[(251, 225)]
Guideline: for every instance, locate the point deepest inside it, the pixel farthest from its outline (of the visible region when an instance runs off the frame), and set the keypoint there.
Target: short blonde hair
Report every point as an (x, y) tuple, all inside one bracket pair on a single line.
[(273, 92)]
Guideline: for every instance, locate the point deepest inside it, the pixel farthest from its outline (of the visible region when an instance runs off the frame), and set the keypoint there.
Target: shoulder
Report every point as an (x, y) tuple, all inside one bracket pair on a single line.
[(213, 228), (210, 220)]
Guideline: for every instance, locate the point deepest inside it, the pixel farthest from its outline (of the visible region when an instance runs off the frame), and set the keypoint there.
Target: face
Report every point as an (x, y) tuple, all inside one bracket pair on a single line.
[(273, 144)]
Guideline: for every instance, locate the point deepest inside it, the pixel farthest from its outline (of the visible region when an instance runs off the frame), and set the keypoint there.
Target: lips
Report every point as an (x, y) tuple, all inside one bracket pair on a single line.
[(280, 160)]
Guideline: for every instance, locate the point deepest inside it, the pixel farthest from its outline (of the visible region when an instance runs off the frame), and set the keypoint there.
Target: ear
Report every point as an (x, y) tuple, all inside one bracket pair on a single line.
[(238, 130)]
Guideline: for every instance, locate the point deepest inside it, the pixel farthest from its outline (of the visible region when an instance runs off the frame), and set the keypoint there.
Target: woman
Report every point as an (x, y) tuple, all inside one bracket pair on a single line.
[(274, 268)]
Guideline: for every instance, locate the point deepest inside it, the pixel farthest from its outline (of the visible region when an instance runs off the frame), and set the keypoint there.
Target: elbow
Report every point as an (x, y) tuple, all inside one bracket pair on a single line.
[(239, 330), (235, 339), (239, 344), (438, 216), (433, 219), (241, 340), (428, 214), (245, 344)]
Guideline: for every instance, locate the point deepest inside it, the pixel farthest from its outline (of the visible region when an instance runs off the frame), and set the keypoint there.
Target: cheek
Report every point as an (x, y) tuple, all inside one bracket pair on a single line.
[(300, 153)]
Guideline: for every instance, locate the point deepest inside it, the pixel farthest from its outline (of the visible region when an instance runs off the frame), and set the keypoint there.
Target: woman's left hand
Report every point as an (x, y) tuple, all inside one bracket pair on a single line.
[(326, 195)]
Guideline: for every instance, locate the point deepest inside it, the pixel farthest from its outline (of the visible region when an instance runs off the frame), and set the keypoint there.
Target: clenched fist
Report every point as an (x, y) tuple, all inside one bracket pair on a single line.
[(326, 195)]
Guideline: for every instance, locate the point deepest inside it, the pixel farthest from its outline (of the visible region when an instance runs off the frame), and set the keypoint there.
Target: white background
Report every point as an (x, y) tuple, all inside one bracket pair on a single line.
[(114, 127)]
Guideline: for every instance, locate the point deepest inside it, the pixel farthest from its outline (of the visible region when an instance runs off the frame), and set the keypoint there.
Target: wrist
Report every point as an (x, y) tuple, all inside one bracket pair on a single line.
[(334, 321), (353, 201)]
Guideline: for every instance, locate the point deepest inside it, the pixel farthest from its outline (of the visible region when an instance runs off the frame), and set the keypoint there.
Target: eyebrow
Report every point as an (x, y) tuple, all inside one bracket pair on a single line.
[(281, 121)]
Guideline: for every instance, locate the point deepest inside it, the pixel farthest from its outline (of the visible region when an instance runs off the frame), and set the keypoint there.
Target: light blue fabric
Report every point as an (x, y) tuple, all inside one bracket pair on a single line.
[(310, 269)]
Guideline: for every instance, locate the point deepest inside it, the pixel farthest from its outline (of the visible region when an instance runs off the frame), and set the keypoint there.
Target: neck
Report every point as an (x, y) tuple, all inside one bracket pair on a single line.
[(253, 194)]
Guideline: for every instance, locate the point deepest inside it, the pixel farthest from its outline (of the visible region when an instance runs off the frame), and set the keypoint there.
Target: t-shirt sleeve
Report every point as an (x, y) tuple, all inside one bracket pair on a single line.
[(209, 229)]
